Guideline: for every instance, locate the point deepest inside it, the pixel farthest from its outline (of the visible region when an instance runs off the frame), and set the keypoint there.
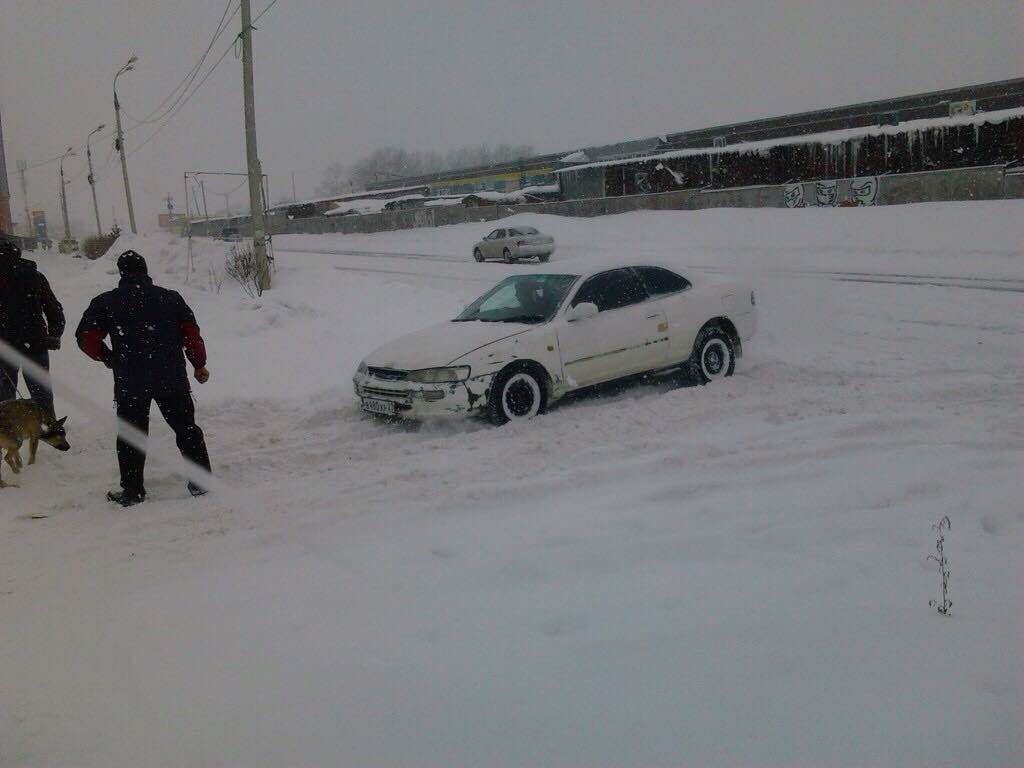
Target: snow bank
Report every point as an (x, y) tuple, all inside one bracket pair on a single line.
[(654, 575)]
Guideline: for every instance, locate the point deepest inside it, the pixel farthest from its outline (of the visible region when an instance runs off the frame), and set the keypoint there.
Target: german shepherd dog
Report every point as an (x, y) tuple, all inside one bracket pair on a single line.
[(22, 420)]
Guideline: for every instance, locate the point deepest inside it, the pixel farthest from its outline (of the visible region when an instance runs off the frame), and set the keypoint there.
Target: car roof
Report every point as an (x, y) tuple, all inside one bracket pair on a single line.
[(589, 267)]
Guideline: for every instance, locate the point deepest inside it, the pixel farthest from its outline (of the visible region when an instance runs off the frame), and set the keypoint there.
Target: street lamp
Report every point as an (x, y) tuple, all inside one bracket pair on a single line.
[(92, 180), (63, 194), (119, 142)]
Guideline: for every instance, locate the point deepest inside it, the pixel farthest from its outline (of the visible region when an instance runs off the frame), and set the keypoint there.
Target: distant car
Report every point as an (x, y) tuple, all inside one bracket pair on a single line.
[(533, 338), (231, 235), (514, 243)]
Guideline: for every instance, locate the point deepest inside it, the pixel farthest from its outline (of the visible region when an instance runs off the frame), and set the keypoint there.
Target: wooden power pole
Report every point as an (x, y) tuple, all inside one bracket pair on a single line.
[(259, 244)]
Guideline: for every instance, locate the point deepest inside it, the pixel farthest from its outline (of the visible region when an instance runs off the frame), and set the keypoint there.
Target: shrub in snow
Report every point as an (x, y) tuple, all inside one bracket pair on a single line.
[(96, 246), (240, 265), (940, 529)]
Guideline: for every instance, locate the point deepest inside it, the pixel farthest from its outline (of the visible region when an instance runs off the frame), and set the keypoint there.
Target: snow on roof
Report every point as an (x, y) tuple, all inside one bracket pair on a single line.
[(516, 195), (541, 189), (345, 197), (579, 156), (363, 206), (826, 137)]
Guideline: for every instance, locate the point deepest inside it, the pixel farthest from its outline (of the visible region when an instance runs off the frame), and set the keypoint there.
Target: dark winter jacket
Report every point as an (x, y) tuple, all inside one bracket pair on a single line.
[(149, 327), (31, 318)]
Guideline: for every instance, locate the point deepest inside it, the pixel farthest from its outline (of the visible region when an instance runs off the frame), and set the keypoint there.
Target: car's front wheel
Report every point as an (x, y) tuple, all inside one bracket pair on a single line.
[(477, 254), (714, 355), (516, 394)]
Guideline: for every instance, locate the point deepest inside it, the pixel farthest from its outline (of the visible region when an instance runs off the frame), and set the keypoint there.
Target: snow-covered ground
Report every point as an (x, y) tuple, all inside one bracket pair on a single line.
[(648, 576)]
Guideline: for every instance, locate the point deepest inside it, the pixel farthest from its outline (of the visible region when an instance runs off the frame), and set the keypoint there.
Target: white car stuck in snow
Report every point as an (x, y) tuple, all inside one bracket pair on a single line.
[(533, 338)]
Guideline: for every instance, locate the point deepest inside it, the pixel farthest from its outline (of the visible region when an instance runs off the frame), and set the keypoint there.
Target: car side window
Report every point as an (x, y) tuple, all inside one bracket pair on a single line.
[(514, 233), (611, 290), (493, 235), (499, 234), (660, 282)]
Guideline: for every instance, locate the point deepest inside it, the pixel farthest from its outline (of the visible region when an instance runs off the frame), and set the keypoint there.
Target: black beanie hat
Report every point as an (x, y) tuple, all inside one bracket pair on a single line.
[(131, 263)]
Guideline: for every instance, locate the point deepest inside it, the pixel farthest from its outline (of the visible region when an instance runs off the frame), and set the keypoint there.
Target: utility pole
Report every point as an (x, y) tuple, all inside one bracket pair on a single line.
[(259, 245), (119, 143), (92, 181), (295, 198), (202, 188), (63, 194), (22, 169), (227, 203)]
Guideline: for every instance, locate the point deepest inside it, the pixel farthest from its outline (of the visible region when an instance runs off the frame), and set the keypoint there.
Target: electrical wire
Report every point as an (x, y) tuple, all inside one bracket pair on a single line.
[(182, 87), (260, 14), (182, 99), (172, 115)]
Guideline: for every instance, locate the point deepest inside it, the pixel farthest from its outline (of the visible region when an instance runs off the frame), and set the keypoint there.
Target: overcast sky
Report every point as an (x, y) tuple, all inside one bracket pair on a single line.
[(338, 78)]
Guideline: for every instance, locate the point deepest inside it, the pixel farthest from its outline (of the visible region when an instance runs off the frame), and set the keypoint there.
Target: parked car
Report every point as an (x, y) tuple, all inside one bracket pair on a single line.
[(514, 243), (533, 338), (231, 235)]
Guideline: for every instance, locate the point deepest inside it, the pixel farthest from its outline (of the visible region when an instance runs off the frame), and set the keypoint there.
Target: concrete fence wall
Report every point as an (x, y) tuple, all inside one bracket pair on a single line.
[(986, 183)]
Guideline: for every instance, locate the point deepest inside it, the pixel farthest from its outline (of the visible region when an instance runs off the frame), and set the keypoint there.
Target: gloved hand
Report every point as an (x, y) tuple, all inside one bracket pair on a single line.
[(202, 375)]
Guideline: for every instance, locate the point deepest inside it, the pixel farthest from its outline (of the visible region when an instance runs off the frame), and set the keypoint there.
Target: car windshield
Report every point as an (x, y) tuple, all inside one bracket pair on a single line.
[(520, 299)]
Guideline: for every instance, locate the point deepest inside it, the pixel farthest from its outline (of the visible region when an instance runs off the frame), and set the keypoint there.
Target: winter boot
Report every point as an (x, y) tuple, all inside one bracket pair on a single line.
[(196, 490), (126, 498)]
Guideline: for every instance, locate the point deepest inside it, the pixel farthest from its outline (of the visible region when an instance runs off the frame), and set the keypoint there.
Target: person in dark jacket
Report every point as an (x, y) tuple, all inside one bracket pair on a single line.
[(152, 330), (31, 321)]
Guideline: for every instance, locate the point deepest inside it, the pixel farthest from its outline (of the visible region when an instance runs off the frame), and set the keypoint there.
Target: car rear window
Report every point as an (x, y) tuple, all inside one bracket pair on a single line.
[(659, 282)]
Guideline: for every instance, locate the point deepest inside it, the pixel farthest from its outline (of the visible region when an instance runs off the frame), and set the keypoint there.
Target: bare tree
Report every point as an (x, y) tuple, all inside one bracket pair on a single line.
[(394, 163), (334, 181)]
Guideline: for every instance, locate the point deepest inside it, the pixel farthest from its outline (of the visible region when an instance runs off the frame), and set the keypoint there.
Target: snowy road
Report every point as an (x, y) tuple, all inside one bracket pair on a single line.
[(647, 575)]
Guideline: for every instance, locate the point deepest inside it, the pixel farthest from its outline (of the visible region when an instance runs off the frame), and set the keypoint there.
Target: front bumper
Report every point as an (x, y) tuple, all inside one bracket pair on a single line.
[(423, 401)]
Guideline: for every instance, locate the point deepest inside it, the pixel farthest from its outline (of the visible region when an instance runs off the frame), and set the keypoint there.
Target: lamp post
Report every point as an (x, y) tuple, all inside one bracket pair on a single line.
[(119, 142), (92, 180), (63, 194)]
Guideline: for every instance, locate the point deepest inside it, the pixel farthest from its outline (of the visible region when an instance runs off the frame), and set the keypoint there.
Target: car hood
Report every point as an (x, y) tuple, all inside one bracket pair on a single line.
[(441, 344)]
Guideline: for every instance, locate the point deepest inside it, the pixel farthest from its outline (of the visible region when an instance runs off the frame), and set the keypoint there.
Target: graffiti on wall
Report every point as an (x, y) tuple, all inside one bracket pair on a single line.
[(864, 190), (826, 193), (794, 194), (643, 183)]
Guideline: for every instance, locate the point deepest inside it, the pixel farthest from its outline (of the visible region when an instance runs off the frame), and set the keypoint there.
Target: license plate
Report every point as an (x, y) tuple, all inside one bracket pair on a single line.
[(383, 407)]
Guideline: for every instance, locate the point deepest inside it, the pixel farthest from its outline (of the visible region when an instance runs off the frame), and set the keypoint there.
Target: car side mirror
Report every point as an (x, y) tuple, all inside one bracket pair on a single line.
[(582, 311)]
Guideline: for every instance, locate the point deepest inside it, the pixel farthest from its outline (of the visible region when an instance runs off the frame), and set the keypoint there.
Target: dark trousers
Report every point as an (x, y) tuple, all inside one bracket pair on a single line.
[(38, 389), (180, 414)]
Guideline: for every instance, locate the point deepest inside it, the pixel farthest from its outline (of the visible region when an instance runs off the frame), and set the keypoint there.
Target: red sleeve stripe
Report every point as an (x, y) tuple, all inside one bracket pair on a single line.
[(91, 342), (195, 348)]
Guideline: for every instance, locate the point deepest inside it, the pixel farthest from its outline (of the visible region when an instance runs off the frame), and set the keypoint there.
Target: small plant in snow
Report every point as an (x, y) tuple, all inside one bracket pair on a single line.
[(240, 265), (940, 529), (216, 280)]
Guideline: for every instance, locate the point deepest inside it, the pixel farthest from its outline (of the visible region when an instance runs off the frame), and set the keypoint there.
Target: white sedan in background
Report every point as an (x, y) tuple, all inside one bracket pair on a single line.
[(533, 338), (510, 244)]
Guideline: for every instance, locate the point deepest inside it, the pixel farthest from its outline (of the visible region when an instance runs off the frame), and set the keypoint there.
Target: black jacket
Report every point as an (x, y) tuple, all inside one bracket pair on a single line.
[(29, 312), (151, 329)]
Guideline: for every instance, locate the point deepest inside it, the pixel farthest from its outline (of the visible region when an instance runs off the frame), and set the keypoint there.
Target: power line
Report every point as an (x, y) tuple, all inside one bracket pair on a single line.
[(260, 14), (182, 99), (172, 115), (182, 87)]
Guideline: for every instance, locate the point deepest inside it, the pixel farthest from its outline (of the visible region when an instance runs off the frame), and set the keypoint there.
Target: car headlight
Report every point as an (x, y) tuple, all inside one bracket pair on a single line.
[(439, 375), (362, 368)]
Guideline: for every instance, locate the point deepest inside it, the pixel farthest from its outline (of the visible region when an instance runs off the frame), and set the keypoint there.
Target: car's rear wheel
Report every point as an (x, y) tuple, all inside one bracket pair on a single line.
[(714, 355), (507, 256), (516, 394), (477, 254), (543, 257)]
